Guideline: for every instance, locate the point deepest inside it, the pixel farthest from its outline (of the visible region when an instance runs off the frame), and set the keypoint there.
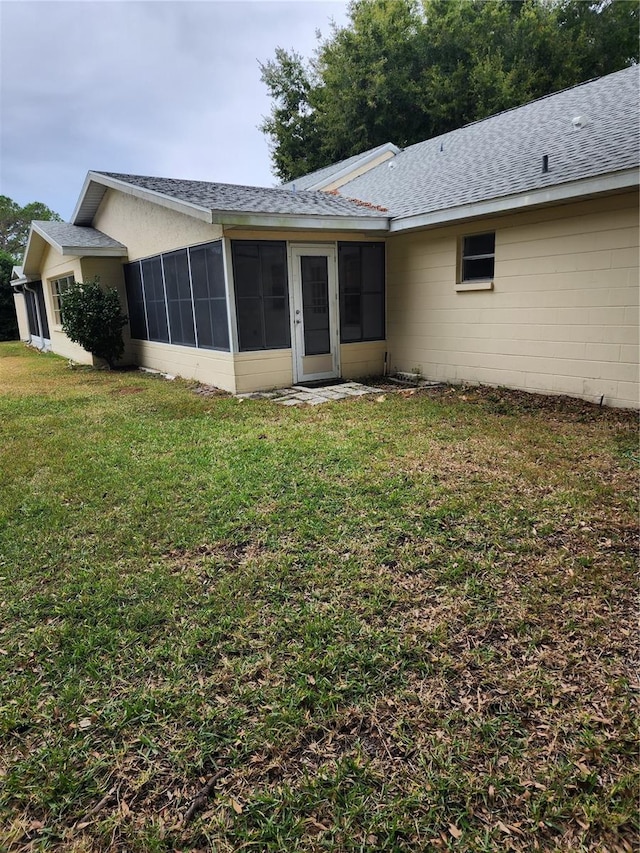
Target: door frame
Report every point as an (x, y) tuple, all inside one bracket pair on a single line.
[(296, 251)]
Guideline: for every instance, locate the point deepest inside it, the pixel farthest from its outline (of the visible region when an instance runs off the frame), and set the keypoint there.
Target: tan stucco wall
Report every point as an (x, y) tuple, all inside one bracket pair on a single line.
[(148, 229), (54, 265), (258, 371), (362, 359), (562, 316), (207, 366), (21, 312)]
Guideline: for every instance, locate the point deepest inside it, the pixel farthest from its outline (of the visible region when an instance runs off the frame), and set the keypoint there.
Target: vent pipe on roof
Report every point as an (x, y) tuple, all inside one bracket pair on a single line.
[(545, 162), (293, 188)]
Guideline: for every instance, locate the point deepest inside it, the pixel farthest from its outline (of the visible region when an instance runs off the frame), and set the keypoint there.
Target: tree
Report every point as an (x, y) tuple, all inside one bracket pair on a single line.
[(292, 120), (15, 222), (403, 71), (91, 317), (8, 319), (14, 230)]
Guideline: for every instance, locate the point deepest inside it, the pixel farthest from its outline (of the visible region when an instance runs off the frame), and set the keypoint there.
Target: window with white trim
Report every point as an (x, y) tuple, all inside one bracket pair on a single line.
[(58, 287), (478, 257)]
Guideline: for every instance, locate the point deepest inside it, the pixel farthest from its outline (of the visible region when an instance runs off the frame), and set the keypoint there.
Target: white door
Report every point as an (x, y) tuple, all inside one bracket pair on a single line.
[(315, 329)]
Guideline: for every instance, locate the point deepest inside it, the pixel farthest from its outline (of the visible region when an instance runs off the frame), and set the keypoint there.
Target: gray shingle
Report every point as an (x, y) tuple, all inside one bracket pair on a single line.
[(502, 155), (235, 198), (77, 236)]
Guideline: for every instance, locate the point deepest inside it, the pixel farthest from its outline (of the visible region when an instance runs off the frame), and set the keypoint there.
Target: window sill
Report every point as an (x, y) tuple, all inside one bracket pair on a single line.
[(483, 284)]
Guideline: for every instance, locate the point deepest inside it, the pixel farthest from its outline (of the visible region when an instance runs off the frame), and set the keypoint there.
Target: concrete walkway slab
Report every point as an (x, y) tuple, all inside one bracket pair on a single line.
[(298, 395)]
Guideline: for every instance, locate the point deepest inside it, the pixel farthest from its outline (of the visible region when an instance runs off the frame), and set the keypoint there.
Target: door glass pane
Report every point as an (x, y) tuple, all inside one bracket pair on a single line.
[(315, 304)]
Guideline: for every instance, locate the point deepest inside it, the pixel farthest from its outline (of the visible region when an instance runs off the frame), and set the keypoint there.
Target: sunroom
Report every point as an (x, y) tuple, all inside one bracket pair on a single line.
[(249, 314), (243, 288)]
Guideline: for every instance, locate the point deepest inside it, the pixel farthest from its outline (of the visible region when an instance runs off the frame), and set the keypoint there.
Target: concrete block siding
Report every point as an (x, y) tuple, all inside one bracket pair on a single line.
[(562, 317)]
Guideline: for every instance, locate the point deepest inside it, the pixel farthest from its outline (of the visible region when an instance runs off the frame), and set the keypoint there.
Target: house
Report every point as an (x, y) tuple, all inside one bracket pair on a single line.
[(505, 253)]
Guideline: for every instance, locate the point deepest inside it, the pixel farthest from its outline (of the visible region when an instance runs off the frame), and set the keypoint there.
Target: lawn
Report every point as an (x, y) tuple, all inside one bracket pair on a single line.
[(394, 623)]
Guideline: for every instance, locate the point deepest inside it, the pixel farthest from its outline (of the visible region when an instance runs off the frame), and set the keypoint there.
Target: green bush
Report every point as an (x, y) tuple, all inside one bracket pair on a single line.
[(91, 317)]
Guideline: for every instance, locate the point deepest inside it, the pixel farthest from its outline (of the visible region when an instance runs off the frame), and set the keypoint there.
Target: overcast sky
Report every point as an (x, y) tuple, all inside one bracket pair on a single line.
[(149, 88)]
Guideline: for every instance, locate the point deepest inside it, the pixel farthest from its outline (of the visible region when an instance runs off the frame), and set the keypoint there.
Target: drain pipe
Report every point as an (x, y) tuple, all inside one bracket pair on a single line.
[(38, 317)]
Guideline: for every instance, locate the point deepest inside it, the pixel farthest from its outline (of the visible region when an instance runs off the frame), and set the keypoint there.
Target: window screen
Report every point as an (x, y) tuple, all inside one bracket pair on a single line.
[(135, 301), (209, 296), (362, 291), (155, 301), (178, 289), (180, 297), (262, 295)]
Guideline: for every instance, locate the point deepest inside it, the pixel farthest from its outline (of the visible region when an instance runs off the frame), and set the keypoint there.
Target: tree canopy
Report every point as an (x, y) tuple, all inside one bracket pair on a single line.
[(14, 230), (403, 71), (15, 222)]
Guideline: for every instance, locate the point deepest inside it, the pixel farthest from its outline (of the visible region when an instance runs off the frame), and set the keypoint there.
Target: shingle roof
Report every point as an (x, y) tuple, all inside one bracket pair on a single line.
[(75, 236), (265, 200), (327, 174), (502, 155)]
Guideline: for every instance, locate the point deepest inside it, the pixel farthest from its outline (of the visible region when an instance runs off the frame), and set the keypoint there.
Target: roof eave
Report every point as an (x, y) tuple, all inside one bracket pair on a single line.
[(80, 251), (307, 222), (570, 191), (86, 215), (34, 239), (94, 251)]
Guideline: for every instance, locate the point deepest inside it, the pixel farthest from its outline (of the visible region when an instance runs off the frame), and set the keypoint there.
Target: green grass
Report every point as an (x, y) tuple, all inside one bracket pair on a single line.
[(392, 625)]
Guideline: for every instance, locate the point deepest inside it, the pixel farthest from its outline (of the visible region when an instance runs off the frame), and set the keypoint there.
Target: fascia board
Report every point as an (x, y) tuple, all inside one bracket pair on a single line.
[(95, 251), (570, 191), (300, 222), (194, 210)]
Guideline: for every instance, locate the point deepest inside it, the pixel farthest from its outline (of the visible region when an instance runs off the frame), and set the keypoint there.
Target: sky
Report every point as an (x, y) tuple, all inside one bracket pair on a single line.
[(147, 87)]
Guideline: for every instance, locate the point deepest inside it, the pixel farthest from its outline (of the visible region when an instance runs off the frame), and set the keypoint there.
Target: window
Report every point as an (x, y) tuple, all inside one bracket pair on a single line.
[(361, 282), (478, 257), (58, 287), (262, 294), (179, 298)]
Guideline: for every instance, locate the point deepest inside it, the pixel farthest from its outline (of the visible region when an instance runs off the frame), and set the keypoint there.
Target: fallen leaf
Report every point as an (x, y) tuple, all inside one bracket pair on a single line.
[(84, 723), (503, 828), (235, 805), (311, 679), (453, 829)]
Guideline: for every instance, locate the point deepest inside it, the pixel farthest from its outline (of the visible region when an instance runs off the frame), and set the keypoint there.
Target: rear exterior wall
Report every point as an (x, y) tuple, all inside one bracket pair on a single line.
[(562, 317)]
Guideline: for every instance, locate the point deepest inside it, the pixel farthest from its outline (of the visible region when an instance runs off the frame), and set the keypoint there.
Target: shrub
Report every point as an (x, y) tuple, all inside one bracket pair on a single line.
[(91, 317)]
